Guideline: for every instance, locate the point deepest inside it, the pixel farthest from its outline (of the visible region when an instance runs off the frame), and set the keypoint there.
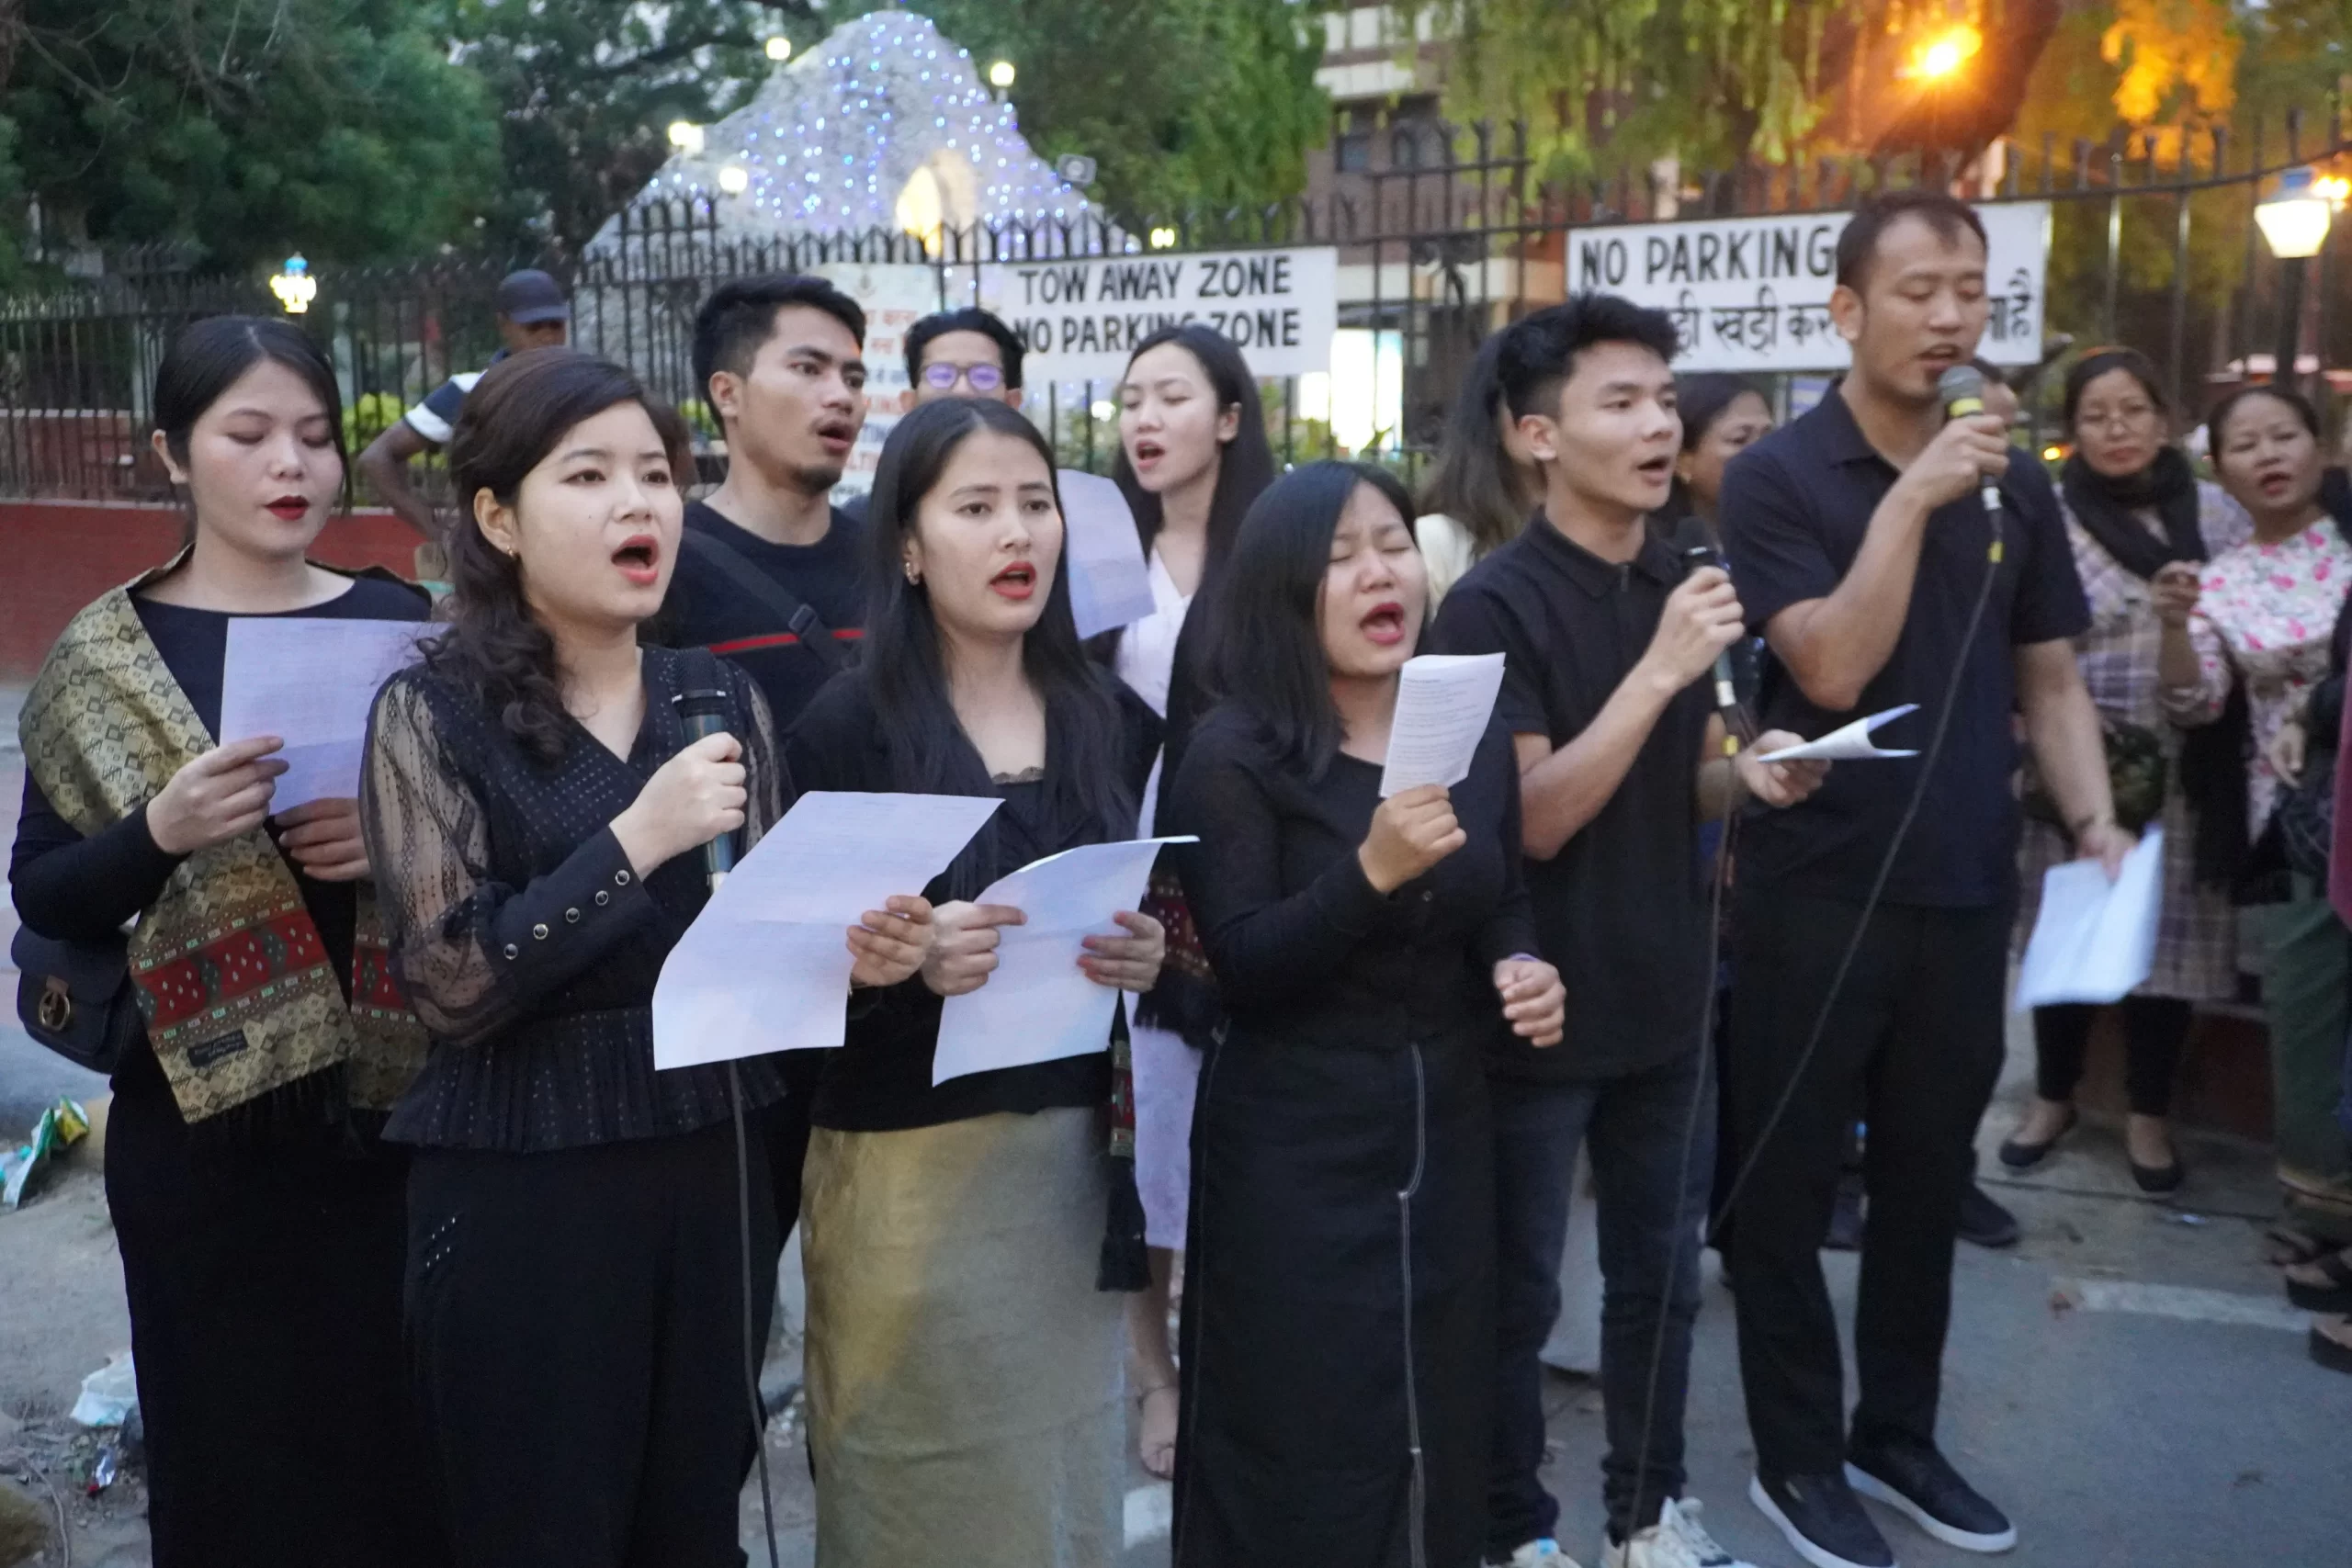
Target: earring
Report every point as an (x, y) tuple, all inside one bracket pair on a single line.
[(914, 576)]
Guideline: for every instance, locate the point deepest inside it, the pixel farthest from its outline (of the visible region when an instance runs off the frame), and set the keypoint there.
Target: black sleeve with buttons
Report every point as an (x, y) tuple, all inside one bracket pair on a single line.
[(520, 934)]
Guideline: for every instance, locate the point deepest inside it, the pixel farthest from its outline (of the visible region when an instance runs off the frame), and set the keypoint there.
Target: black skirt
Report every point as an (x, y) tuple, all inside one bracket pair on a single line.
[(1337, 1307)]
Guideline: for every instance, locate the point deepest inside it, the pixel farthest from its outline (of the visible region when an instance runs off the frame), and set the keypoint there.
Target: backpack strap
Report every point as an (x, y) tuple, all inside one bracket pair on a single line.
[(798, 617)]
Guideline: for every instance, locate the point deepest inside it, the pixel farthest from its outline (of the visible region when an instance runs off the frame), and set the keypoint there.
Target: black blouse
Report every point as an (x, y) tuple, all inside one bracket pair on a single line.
[(880, 1081), (1305, 951), (83, 889), (521, 937)]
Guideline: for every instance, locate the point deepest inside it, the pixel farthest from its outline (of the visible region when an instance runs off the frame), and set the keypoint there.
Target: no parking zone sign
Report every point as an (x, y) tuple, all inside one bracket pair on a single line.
[(1080, 318)]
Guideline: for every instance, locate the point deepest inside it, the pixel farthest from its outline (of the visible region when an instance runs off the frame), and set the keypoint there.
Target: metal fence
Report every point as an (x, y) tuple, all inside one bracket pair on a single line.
[(2152, 245)]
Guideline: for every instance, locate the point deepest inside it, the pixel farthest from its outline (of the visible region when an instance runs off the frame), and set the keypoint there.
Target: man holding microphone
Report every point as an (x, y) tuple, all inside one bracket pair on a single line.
[(1861, 536)]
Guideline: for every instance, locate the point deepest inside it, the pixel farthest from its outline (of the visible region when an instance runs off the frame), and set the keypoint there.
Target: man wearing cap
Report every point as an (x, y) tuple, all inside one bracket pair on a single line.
[(532, 314)]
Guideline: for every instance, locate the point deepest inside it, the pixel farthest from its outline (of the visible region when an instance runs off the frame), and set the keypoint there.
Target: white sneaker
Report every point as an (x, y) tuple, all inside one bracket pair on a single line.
[(1677, 1541), (1543, 1553)]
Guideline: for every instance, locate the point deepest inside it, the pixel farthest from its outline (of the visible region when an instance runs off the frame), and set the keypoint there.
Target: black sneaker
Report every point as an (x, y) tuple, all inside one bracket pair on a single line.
[(1915, 1479), (1824, 1521), (1984, 1223)]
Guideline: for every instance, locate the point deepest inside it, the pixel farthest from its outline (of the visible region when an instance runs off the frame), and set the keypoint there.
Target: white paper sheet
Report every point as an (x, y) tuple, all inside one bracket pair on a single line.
[(310, 682), (1850, 744), (1110, 581), (1038, 1005), (2095, 940), (766, 965), (1444, 701)]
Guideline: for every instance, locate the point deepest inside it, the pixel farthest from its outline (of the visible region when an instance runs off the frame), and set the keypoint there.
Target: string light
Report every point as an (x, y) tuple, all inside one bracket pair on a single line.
[(832, 145)]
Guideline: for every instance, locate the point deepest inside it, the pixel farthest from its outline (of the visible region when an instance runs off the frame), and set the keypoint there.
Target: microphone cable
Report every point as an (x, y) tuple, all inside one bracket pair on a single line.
[(1927, 762)]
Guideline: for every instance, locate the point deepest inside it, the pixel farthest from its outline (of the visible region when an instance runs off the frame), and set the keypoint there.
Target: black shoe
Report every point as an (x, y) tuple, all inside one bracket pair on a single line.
[(1915, 1479), (2025, 1156), (1984, 1223), (1845, 1217), (2157, 1179), (1824, 1521)]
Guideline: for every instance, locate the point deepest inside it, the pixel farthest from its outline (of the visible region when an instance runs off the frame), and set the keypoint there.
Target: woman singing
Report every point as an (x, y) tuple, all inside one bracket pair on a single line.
[(260, 1218), (534, 804), (1193, 456), (964, 1380), (1338, 1320)]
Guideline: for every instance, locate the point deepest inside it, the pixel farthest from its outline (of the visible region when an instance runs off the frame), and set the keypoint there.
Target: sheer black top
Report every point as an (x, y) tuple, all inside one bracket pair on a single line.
[(521, 937), (880, 1081)]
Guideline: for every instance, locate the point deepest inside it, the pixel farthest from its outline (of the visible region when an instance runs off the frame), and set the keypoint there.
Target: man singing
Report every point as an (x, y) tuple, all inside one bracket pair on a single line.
[(1606, 644), (1861, 542)]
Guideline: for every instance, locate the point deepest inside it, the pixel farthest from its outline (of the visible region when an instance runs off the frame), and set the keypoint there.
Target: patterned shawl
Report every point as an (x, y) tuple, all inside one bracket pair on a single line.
[(228, 965)]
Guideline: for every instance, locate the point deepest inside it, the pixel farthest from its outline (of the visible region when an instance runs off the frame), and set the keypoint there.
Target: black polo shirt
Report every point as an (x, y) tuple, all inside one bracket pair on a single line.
[(1621, 909), (707, 607), (1796, 508)]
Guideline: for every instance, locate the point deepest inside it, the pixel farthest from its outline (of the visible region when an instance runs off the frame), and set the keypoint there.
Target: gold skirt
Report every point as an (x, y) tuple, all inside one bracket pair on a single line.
[(965, 1376)]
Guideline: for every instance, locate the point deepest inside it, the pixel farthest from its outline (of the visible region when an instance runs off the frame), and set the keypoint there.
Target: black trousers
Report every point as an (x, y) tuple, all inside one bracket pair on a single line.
[(2154, 1031), (264, 1280), (575, 1325), (1915, 1040)]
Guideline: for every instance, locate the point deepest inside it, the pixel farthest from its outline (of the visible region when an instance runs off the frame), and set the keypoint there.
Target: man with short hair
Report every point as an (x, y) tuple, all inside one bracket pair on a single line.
[(961, 353), (532, 314), (1866, 556), (770, 573), (1607, 645)]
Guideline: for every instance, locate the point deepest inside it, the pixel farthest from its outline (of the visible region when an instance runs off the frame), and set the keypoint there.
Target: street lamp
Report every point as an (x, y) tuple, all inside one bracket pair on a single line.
[(294, 286), (779, 48), (686, 136), (2294, 224), (734, 179), (1001, 75), (1946, 52)]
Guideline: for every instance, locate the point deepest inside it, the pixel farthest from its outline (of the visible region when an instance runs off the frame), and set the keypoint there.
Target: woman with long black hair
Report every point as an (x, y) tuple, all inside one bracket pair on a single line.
[(533, 804), (260, 1217), (966, 1242), (1484, 486), (1193, 456), (1338, 1313)]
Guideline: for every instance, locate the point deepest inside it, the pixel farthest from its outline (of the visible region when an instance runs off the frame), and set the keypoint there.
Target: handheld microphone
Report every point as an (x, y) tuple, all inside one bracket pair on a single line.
[(1962, 389), (1695, 556), (705, 714)]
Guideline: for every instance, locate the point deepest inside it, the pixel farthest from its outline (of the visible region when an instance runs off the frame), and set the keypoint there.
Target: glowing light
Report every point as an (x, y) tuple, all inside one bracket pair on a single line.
[(2336, 191), (1000, 74), (294, 286), (1163, 239), (2295, 220), (1947, 52), (2052, 453), (1105, 408), (734, 179), (779, 48), (686, 136)]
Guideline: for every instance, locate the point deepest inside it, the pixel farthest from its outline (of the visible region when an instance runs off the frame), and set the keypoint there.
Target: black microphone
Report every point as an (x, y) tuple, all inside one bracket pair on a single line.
[(1736, 727), (1962, 390), (703, 712)]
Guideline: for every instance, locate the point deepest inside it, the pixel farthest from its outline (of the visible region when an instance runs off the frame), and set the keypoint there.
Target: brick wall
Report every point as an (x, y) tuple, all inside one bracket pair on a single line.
[(56, 555)]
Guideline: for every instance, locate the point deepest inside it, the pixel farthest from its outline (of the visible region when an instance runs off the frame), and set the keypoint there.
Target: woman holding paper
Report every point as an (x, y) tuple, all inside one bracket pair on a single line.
[(966, 1240), (2141, 526), (1193, 456), (534, 805), (1338, 1320), (2260, 622), (260, 1217)]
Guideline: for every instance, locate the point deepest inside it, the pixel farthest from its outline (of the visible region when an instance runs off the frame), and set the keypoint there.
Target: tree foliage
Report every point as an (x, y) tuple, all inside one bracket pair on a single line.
[(586, 89), (1182, 104), (336, 127)]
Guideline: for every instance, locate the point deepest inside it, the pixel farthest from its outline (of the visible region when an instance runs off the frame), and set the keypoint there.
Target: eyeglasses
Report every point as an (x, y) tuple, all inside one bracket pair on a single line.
[(940, 376), (2115, 419)]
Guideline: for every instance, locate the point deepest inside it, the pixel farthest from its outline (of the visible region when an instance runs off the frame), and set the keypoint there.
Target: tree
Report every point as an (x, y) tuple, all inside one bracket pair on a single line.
[(586, 89), (1185, 104), (336, 127)]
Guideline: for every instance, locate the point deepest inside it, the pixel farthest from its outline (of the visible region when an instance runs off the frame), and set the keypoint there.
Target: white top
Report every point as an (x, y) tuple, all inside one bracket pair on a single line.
[(1447, 549), (1146, 662)]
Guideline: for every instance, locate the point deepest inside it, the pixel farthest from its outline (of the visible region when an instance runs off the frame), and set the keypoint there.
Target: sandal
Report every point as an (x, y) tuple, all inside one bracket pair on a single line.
[(1159, 1456), (2330, 1352), (2290, 1247), (2331, 1294)]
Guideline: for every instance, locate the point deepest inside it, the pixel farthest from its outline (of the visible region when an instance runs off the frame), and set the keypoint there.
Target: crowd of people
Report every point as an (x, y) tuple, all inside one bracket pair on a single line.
[(427, 1263)]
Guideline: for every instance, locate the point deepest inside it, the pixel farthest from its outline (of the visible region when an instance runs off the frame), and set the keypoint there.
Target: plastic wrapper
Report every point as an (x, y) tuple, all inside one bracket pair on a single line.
[(61, 1126)]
